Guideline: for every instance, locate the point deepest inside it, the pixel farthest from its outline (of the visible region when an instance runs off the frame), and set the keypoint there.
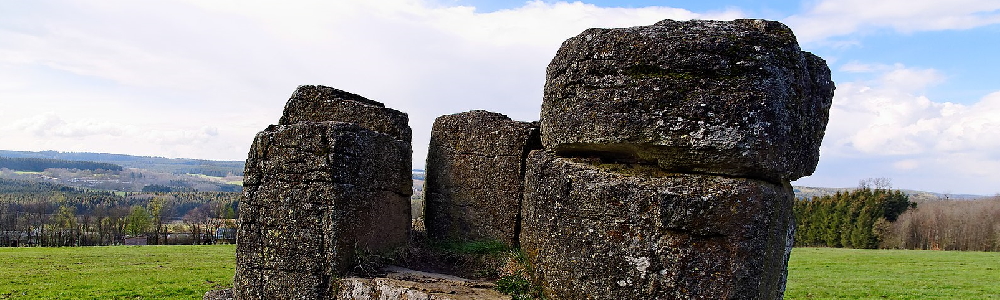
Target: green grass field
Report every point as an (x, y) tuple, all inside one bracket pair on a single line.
[(826, 273), (121, 272), (187, 272)]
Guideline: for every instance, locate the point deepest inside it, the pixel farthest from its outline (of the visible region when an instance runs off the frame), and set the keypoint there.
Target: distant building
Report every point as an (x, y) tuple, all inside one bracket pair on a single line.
[(136, 241), (225, 235)]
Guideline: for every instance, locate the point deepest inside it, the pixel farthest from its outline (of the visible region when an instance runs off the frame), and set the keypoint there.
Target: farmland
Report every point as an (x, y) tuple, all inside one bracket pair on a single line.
[(118, 272), (186, 272), (833, 273)]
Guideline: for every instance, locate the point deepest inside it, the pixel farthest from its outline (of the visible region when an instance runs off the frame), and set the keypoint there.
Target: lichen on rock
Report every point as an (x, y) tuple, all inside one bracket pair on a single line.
[(594, 234), (475, 169), (317, 103), (321, 197), (732, 98)]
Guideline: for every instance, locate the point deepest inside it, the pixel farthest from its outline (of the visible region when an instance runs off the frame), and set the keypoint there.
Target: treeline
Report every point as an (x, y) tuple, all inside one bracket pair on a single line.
[(158, 164), (14, 186), (62, 216), (40, 164), (966, 225), (850, 219)]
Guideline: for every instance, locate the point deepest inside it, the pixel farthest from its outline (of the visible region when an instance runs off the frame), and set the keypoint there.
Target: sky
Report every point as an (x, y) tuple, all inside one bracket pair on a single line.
[(917, 99)]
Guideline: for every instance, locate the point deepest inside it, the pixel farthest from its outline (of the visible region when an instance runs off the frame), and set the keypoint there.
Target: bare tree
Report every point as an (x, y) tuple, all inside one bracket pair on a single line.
[(879, 183)]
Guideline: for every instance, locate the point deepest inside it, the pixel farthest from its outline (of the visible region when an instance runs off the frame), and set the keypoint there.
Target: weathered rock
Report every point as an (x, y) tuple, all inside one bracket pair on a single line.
[(732, 98), (614, 231), (317, 103), (226, 294), (404, 284), (319, 198), (475, 168)]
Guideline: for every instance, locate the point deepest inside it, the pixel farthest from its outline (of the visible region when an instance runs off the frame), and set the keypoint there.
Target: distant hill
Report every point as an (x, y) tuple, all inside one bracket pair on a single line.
[(809, 192), (158, 164), (13, 186), (33, 164)]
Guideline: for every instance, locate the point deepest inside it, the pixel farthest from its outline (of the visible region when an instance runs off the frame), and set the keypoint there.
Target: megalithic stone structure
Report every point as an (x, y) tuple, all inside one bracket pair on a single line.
[(660, 169), (328, 185), (475, 175), (668, 155)]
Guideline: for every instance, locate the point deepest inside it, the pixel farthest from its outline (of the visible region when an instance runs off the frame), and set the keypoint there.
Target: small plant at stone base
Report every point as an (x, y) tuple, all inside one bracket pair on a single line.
[(518, 288), (479, 259), (515, 279)]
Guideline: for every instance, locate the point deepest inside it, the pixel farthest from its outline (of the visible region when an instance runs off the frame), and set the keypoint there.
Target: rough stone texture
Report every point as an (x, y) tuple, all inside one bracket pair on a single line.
[(404, 284), (226, 294), (317, 103), (613, 231), (475, 168), (732, 98), (318, 198)]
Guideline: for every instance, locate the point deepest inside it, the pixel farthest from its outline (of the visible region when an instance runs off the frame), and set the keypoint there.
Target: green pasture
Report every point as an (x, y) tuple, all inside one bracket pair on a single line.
[(830, 273), (187, 272), (28, 172), (119, 272)]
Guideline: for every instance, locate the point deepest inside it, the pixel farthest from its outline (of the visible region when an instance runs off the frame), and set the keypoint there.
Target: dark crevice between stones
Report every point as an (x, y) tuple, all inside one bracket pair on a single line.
[(327, 277), (534, 143), (630, 160)]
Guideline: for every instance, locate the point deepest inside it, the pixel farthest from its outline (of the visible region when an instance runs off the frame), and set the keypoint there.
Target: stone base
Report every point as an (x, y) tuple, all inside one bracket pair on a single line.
[(406, 284), (628, 232), (403, 284), (226, 294)]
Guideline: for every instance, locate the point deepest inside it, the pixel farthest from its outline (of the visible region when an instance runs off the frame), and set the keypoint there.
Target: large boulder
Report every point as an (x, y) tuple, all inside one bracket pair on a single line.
[(735, 98), (317, 103), (319, 198), (475, 170), (617, 231)]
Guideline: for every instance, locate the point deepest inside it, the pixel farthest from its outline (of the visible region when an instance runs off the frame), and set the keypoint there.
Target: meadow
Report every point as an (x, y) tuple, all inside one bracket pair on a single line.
[(187, 272), (116, 272)]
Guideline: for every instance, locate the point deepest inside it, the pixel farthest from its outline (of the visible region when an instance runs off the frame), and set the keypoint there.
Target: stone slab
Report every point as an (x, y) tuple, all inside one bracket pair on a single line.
[(598, 231), (734, 98)]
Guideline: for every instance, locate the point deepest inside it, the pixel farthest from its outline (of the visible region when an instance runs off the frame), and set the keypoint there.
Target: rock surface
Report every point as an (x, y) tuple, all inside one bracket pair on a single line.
[(614, 231), (320, 198), (401, 284), (475, 170), (317, 103), (730, 98), (226, 294), (404, 284)]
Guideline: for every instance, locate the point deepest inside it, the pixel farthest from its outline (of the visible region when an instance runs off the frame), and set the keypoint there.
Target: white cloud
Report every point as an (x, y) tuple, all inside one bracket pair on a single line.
[(907, 164), (888, 119), (170, 68), (51, 131), (833, 18)]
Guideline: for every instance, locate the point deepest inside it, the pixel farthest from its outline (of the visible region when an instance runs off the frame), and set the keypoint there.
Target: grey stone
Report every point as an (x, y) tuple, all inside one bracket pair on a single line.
[(226, 294), (320, 198), (475, 170), (619, 231), (317, 103), (405, 284), (735, 98)]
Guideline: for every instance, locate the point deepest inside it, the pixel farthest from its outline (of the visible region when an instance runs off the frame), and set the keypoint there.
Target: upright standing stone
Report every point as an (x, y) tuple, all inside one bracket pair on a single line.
[(729, 98), (609, 231), (668, 154), (320, 195), (475, 170)]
